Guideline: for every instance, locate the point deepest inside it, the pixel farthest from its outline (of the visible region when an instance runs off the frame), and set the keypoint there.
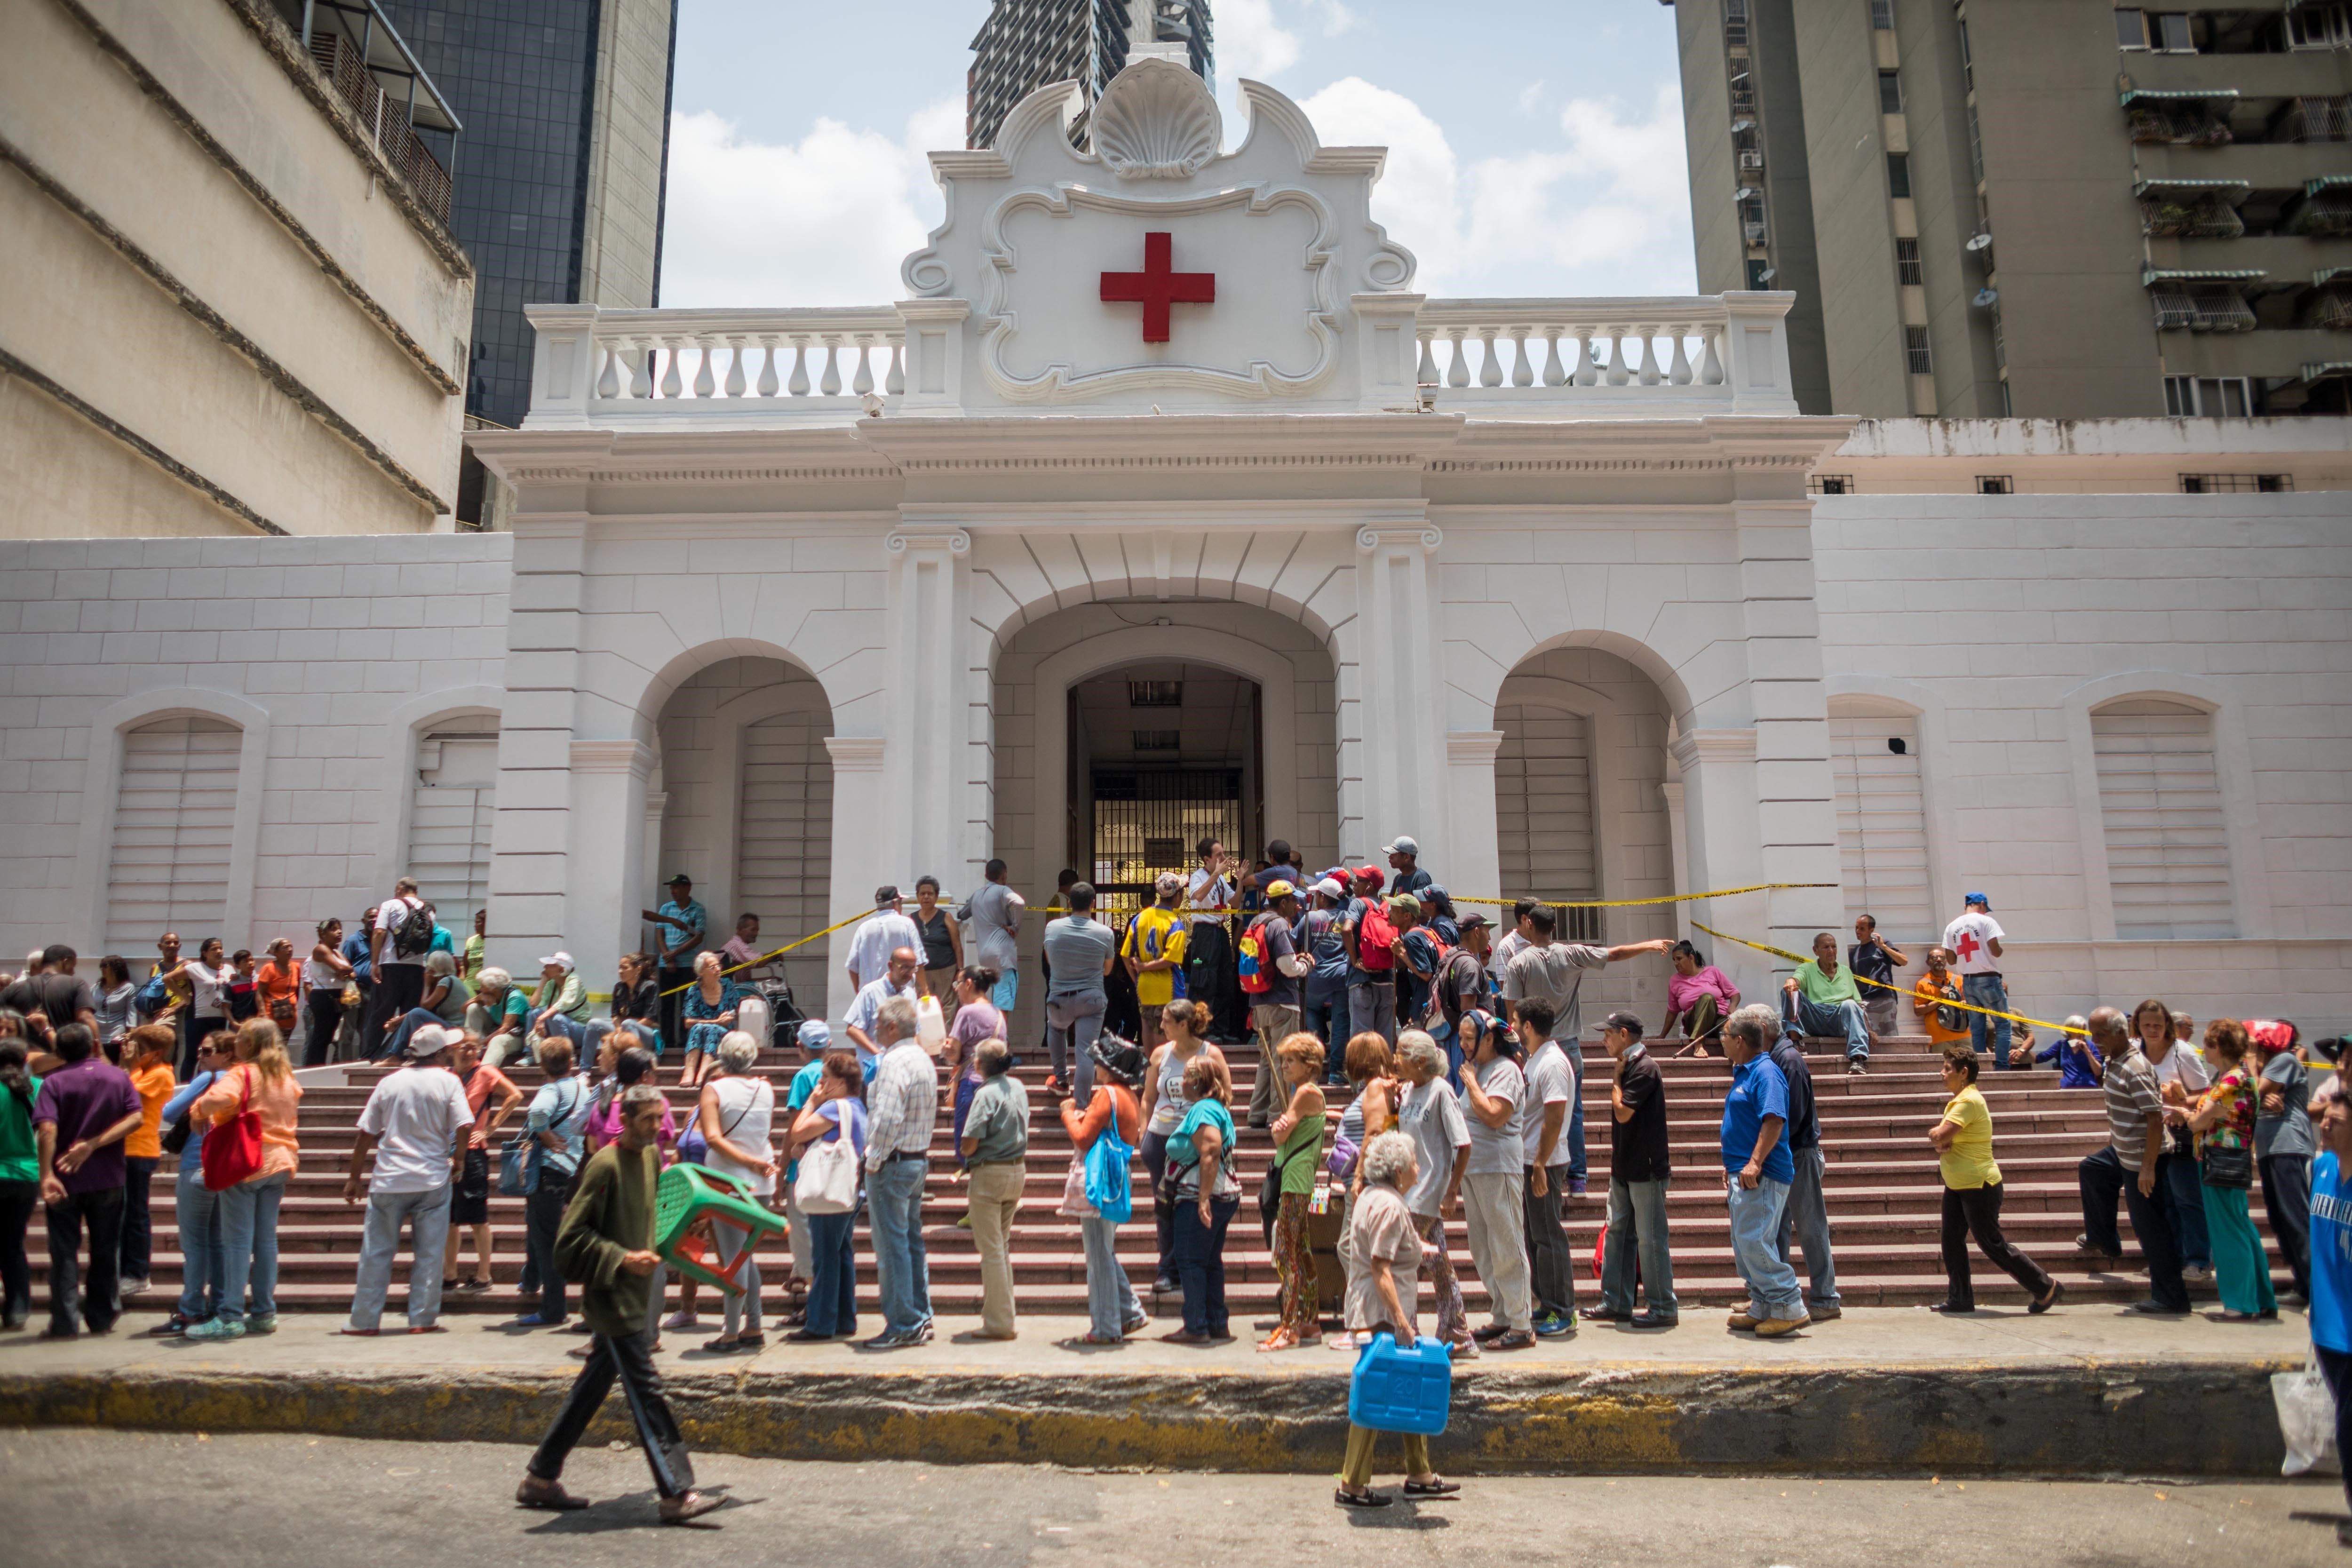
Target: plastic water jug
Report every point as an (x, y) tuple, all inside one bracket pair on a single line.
[(1396, 1390), (930, 1024)]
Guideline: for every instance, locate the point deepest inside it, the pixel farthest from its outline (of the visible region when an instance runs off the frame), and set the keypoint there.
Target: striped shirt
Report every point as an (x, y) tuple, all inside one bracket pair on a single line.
[(903, 1106), (2132, 1098)]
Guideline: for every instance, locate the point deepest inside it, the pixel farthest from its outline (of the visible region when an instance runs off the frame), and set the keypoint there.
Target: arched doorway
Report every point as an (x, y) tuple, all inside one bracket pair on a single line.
[(1163, 754)]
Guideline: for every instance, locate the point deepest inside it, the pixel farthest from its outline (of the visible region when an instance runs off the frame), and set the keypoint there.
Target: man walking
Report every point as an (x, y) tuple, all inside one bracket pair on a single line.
[(1639, 1164), (1275, 1011), (1806, 1219), (1974, 939), (993, 916), (679, 926), (1757, 1172), (1551, 1266), (880, 935), (417, 1123), (1821, 998), (84, 1112), (605, 1245), (995, 1149), (2132, 1164), (1873, 957), (1080, 950), (1493, 1187), (904, 1108)]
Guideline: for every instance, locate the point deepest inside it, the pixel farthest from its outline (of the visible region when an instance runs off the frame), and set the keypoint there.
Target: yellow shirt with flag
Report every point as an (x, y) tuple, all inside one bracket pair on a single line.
[(1156, 933)]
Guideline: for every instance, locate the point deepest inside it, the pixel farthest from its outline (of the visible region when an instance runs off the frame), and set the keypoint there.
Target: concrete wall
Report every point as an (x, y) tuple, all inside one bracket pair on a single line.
[(628, 150), (223, 314)]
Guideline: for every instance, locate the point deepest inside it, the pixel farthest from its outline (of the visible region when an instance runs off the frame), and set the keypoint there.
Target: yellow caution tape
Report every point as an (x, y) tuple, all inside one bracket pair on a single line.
[(1628, 903), (1880, 984), (778, 952)]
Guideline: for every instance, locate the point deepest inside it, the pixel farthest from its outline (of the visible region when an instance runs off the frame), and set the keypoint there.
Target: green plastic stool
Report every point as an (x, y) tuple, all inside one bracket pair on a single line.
[(689, 1194)]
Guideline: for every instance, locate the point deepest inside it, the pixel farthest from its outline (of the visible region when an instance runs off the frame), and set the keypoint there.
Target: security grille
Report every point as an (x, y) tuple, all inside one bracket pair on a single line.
[(1881, 822), (450, 808), (783, 867), (173, 820), (2160, 802), (1543, 811), (1148, 820)]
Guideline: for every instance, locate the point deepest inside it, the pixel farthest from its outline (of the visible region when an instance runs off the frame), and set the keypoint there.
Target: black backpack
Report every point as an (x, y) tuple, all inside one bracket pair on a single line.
[(412, 937)]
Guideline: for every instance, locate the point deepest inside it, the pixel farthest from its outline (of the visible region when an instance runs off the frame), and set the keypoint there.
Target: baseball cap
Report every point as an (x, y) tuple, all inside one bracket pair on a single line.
[(815, 1035), (1404, 904), (428, 1040), (1280, 888), (1168, 882), (1472, 921), (1368, 873), (561, 960), (1332, 888), (888, 893), (1978, 899), (676, 878), (1401, 845), (1628, 1021)]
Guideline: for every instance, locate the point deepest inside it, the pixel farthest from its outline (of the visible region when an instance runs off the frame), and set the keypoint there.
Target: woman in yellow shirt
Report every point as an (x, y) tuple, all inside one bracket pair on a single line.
[(1963, 1141), (150, 1049)]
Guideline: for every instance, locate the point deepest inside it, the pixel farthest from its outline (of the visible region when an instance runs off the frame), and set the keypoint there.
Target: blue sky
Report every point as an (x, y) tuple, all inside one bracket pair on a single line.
[(1535, 146)]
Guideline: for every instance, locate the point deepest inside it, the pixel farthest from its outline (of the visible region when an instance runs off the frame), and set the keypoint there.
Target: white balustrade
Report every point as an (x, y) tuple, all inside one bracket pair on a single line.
[(691, 357), (1515, 350)]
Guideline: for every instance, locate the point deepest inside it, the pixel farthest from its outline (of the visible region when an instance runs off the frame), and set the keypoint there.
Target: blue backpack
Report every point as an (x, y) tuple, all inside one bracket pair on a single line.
[(1107, 1174)]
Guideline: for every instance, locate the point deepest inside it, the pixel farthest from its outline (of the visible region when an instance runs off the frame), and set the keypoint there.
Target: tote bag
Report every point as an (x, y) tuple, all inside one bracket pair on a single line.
[(233, 1148), (828, 1182)]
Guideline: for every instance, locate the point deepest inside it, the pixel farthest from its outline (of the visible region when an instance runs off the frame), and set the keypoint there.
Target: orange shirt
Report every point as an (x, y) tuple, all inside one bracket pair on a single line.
[(275, 983), (1924, 999), (156, 1085), (279, 1103)]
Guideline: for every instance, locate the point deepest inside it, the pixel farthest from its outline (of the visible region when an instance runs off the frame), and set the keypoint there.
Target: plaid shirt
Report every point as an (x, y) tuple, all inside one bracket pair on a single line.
[(903, 1105)]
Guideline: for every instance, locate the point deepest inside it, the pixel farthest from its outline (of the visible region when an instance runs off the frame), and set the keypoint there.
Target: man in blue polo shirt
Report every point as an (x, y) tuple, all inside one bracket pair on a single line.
[(1759, 1169)]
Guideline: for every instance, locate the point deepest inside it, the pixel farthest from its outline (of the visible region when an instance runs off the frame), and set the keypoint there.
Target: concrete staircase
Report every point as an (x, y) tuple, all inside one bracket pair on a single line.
[(1884, 1195)]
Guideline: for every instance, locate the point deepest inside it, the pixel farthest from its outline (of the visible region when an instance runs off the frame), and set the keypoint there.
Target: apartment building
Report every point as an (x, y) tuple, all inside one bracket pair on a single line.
[(1027, 44)]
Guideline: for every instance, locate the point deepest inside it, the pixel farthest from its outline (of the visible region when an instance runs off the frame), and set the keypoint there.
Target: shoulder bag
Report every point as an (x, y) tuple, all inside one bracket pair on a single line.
[(233, 1148), (828, 1180), (521, 1156)]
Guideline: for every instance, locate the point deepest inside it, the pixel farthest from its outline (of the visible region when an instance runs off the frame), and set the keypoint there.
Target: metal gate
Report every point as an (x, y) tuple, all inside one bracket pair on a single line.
[(1148, 820)]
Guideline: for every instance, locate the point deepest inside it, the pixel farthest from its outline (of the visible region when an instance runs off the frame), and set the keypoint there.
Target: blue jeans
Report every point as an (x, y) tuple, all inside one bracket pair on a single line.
[(833, 1274), (197, 1208), (1846, 1019), (894, 1204), (427, 1217), (1806, 1219), (411, 1021), (2183, 1189), (1988, 990), (1772, 1291), (1324, 1014), (1637, 1233), (1574, 1132), (249, 1222), (1110, 1299)]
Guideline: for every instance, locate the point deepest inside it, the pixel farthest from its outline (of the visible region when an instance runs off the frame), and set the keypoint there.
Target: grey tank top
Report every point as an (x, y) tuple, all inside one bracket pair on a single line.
[(1168, 1110)]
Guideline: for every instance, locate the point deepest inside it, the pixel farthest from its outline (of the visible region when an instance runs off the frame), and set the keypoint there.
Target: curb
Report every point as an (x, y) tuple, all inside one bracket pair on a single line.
[(2144, 1417)]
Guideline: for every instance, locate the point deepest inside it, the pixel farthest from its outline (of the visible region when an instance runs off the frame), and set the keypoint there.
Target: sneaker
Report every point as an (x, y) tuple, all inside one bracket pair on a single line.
[(218, 1329), (262, 1323), (1516, 1340), (2198, 1273), (1463, 1350), (888, 1339), (922, 1335), (1772, 1328), (1854, 1067), (1553, 1326), (1575, 1187), (679, 1323), (1820, 1314), (132, 1287)]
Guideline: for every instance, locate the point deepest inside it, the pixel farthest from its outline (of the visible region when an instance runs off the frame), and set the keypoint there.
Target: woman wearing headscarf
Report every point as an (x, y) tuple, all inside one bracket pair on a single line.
[(1111, 1303)]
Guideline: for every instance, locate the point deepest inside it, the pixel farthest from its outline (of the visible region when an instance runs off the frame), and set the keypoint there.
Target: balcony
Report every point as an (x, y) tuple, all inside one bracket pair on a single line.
[(355, 45), (2192, 210), (2193, 117), (2201, 301)]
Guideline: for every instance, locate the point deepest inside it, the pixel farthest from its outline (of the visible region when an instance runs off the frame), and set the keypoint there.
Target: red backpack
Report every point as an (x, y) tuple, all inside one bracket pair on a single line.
[(1256, 965), (1375, 939)]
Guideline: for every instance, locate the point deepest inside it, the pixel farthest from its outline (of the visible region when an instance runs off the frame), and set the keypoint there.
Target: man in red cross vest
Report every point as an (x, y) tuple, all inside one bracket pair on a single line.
[(1974, 942)]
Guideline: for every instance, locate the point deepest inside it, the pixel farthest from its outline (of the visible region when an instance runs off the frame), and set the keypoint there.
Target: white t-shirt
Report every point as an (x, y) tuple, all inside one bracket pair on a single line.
[(416, 1115), (1508, 946), (1551, 1081), (872, 943), (204, 999), (747, 1108), (1206, 898), (2186, 1068), (1431, 1116), (1498, 1150), (1969, 941), (389, 916)]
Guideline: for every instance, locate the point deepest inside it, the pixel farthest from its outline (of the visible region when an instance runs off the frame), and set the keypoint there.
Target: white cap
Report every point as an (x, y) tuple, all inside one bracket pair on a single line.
[(561, 961)]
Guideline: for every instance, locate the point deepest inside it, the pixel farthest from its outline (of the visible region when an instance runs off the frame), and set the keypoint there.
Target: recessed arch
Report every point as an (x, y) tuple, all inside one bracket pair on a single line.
[(396, 742)]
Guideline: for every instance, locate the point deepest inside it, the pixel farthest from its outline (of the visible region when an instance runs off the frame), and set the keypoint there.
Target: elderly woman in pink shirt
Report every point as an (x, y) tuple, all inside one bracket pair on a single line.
[(1701, 996)]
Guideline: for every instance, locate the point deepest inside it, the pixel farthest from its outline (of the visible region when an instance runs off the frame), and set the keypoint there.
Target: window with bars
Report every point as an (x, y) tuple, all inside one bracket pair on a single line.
[(2160, 807), (1145, 821), (783, 856), (1830, 485), (1543, 810), (2207, 396), (1735, 23), (1976, 146), (1996, 485), (1906, 262), (1915, 353), (2236, 484), (1882, 16)]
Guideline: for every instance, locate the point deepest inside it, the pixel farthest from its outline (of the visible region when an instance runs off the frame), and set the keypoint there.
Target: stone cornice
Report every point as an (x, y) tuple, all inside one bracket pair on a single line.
[(634, 757), (1694, 747), (855, 753)]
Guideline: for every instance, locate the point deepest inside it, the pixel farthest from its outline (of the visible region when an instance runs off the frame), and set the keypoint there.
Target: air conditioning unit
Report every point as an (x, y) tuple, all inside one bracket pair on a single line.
[(1749, 161)]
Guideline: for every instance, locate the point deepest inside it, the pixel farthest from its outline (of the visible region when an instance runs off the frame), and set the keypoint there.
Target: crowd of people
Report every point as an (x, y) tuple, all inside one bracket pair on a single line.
[(1460, 1053)]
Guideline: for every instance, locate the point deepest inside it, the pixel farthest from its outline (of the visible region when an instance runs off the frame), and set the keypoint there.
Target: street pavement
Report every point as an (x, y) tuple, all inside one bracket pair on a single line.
[(82, 1498)]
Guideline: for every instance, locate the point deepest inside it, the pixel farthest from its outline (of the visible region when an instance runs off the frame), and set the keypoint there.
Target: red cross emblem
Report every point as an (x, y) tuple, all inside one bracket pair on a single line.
[(1157, 287), (1967, 946)]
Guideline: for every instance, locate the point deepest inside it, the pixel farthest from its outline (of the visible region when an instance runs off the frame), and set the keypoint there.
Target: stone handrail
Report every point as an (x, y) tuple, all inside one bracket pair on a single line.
[(614, 362)]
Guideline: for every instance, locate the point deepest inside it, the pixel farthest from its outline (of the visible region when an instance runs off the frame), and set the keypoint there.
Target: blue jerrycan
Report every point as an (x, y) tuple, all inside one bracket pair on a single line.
[(1398, 1390)]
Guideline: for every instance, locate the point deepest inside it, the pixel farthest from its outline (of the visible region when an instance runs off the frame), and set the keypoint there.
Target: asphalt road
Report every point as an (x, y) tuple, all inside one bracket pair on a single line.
[(97, 1499)]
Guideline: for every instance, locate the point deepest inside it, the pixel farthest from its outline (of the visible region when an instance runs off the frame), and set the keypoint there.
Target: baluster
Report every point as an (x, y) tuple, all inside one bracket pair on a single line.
[(1648, 335), (1553, 373), (672, 385), (863, 382), (1617, 373), (1490, 366), (1427, 374), (831, 384), (1681, 373), (735, 384), (641, 371), (767, 367), (799, 387), (1588, 369), (706, 384), (895, 382), (1457, 372), (1523, 372), (608, 380), (1710, 370)]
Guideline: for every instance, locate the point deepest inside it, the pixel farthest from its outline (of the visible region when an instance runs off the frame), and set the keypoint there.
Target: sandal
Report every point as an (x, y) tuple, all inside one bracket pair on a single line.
[(1091, 1338), (1280, 1340), (1347, 1499)]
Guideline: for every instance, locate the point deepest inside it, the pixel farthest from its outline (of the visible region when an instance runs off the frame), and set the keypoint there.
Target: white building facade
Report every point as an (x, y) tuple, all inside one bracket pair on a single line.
[(1161, 502)]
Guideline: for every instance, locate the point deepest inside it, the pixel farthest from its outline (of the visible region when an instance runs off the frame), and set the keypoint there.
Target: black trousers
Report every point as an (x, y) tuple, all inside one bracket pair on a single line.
[(672, 1006), (1976, 1211), (16, 1202), (2101, 1177), (1211, 982), (193, 1031), (1551, 1262), (629, 1359), (103, 1212), (2287, 1200), (398, 988), (2336, 1368), (322, 1010), (543, 1214)]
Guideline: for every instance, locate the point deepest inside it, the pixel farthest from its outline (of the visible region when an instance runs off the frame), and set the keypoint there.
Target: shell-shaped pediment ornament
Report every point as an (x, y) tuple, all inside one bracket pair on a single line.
[(1157, 121)]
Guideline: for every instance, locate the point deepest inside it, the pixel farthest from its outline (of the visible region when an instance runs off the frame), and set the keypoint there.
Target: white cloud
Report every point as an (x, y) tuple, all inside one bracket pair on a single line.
[(1250, 43), (1606, 212), (822, 221)]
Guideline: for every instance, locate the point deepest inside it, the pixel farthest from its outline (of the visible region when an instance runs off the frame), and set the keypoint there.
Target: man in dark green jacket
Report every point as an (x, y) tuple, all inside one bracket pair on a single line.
[(605, 1247)]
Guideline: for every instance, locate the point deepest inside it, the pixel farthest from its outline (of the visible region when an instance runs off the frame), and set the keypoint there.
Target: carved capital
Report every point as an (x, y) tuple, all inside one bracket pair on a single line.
[(613, 757), (1693, 748), (1426, 538), (950, 541)]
